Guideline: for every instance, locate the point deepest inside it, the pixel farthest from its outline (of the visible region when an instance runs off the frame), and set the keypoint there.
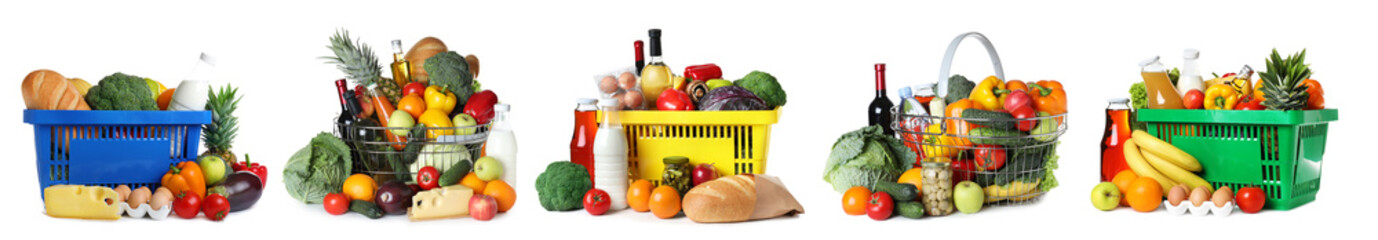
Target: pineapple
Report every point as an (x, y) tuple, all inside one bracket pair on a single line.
[(220, 134), (1282, 82), (360, 65)]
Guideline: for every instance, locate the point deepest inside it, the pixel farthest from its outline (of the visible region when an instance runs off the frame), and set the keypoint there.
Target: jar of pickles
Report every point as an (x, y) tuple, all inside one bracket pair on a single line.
[(937, 188), (676, 175)]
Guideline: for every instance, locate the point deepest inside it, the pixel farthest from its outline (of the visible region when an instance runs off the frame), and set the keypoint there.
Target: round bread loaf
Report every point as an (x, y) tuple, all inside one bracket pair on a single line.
[(726, 199)]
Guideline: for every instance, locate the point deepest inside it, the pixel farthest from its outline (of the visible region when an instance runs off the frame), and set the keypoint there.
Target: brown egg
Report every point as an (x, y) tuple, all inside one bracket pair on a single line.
[(123, 190), (1200, 195), (139, 196), (633, 99), (161, 198), (607, 85), (1177, 195), (626, 80), (1222, 196)]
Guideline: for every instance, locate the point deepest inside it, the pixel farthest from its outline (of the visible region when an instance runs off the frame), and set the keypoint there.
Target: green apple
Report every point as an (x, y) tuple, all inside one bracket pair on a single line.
[(487, 169), (968, 197), (402, 121), (212, 168), (1105, 196), (464, 120)]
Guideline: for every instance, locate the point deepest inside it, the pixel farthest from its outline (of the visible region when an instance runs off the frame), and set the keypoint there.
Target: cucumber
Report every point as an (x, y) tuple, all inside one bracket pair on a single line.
[(898, 191), (368, 209), (993, 119), (909, 209), (998, 137), (455, 173)]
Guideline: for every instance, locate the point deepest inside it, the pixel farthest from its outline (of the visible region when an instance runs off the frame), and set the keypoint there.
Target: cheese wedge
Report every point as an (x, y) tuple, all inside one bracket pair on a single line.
[(83, 202), (440, 203)]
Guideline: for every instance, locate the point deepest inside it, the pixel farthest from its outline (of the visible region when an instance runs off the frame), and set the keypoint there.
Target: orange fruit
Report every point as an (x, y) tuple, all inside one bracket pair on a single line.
[(913, 176), (501, 192), (413, 104), (359, 187), (1122, 181), (1144, 194), (165, 98), (639, 195), (854, 200), (473, 182), (665, 202)]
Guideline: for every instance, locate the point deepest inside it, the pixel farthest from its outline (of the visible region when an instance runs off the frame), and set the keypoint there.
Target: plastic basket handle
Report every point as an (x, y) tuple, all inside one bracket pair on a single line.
[(945, 72)]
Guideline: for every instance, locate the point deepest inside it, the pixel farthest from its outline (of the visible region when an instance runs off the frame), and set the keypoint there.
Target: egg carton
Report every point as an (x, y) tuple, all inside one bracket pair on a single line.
[(1206, 208), (146, 210)]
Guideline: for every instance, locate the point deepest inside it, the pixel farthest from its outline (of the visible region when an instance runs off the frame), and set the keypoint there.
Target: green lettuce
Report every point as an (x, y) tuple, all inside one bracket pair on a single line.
[(864, 156)]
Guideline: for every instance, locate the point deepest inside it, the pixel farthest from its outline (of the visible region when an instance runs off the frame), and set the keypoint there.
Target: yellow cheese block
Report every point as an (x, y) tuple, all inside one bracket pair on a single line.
[(75, 201), (440, 203)]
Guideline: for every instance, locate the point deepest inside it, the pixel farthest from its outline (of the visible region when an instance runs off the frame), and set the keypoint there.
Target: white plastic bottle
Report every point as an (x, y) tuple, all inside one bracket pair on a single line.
[(1191, 74), (610, 155), (191, 92), (502, 143)]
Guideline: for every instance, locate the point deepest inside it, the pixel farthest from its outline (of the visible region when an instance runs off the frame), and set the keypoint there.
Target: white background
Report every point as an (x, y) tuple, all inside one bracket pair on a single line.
[(539, 57)]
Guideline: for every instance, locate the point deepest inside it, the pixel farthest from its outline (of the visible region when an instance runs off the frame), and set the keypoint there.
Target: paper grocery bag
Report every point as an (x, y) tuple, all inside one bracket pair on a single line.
[(773, 200)]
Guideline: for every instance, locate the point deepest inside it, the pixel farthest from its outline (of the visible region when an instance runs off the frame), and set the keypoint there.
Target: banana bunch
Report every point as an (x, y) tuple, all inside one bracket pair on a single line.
[(1151, 157), (1014, 191)]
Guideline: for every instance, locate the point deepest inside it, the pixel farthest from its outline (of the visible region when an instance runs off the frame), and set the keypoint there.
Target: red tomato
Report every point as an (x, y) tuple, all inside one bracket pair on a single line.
[(428, 178), (414, 88), (989, 157), (216, 207), (674, 100), (1250, 199), (187, 205), (336, 204), (880, 206), (1024, 113), (962, 170), (597, 201), (1194, 99)]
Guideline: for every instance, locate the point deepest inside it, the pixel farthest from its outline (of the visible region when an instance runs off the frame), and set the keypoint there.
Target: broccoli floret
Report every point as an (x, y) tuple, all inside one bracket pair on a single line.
[(562, 186), (121, 92), (449, 70), (958, 88), (764, 86)]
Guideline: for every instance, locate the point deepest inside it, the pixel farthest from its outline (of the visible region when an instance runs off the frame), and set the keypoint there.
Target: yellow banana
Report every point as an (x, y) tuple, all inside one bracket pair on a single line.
[(1013, 191), (1170, 153), (1176, 173), (1136, 162)]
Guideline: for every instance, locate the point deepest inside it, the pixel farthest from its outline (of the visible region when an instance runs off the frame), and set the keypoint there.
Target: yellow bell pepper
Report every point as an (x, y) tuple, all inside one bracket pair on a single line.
[(433, 118), (1221, 97), (989, 93), (935, 144), (440, 99)]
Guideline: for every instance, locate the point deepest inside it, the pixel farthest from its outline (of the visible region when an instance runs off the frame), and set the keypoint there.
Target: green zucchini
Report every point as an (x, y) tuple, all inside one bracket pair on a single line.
[(909, 209), (455, 173), (898, 191), (993, 119), (367, 208), (994, 136)]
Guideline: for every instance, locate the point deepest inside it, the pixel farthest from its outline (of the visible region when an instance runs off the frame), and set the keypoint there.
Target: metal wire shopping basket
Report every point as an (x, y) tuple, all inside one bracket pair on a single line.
[(439, 147)]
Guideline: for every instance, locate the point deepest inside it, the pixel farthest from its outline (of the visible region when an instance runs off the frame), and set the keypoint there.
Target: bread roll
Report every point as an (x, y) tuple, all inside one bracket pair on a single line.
[(418, 54), (47, 90), (726, 199)]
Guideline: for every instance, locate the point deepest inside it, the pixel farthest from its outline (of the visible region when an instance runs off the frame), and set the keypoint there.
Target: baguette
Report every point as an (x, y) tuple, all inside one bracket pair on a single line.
[(726, 199), (47, 90), (418, 54)]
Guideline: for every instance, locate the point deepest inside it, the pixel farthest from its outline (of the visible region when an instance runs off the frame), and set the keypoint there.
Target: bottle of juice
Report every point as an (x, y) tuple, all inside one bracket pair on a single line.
[(585, 128), (1161, 93), (1112, 143)]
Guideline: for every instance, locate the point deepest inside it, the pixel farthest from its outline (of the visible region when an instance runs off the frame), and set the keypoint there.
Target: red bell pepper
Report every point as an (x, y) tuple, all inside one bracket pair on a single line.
[(703, 72), (252, 167), (674, 100)]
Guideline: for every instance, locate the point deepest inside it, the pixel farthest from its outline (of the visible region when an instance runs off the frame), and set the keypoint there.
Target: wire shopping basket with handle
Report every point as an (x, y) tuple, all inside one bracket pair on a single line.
[(439, 147)]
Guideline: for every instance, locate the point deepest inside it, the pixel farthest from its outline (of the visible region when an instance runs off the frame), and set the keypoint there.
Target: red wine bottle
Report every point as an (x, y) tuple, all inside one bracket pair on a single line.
[(879, 111)]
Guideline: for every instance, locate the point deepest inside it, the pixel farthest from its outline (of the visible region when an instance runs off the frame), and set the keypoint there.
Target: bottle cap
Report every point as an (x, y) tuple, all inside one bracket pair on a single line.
[(1118, 100), (502, 107), (1191, 53), (587, 101), (608, 102), (397, 45), (206, 58), (655, 32), (1148, 61), (675, 160), (905, 92)]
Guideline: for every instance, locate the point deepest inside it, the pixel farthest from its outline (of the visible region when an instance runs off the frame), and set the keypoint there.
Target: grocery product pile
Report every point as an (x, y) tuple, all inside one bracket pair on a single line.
[(428, 143)]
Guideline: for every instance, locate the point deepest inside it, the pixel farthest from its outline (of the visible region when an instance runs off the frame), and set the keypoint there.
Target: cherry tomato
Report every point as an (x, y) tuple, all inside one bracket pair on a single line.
[(336, 203), (187, 205), (216, 207), (880, 206), (1250, 199), (428, 178), (597, 201), (989, 157)]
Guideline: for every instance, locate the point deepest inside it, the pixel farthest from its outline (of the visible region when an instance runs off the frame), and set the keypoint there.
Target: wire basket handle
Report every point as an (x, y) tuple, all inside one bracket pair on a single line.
[(945, 72)]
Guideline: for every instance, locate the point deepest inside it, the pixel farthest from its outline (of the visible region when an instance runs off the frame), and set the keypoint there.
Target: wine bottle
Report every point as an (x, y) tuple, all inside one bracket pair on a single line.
[(879, 111)]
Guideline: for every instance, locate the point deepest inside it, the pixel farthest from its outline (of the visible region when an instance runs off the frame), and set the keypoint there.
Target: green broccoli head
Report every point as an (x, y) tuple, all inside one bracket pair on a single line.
[(562, 186), (121, 92), (449, 70), (764, 86)]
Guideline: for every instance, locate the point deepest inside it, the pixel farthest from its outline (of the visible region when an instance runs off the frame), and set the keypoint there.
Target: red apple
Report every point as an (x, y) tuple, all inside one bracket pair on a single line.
[(704, 173), (483, 207)]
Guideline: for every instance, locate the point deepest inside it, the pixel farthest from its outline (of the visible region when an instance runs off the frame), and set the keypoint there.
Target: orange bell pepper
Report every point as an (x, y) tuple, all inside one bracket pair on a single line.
[(1316, 95), (1048, 96), (1016, 85), (959, 128), (185, 177)]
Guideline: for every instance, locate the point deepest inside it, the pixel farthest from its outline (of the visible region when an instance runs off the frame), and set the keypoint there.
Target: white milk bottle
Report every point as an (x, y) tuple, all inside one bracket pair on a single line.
[(610, 155), (502, 143)]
